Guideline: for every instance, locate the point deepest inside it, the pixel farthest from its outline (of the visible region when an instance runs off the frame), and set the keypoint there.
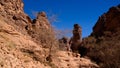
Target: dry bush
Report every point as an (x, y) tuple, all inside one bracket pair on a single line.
[(105, 50), (46, 38), (61, 35), (43, 36)]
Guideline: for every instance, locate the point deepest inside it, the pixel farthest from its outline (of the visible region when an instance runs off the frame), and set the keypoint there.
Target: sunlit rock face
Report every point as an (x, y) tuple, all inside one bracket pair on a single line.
[(11, 6), (12, 11)]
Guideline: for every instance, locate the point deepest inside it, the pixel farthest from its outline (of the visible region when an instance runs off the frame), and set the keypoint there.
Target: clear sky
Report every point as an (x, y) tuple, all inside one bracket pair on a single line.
[(69, 12)]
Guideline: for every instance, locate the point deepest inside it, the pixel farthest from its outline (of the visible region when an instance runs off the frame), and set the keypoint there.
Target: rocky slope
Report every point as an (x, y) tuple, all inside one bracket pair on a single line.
[(13, 11), (16, 49), (25, 43), (104, 43), (109, 21)]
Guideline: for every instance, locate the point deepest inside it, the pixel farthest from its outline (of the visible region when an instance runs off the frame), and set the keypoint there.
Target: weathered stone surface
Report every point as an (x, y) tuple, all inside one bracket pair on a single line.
[(76, 40), (109, 21), (41, 21), (12, 10)]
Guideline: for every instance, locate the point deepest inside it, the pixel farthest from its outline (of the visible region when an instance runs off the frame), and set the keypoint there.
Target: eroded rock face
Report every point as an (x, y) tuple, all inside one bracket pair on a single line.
[(18, 50), (76, 40), (41, 21), (109, 21), (40, 30), (12, 11), (11, 6)]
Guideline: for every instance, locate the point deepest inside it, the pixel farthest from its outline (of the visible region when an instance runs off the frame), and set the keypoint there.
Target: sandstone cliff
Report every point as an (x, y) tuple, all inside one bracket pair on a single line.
[(13, 11), (26, 43), (109, 21), (18, 50)]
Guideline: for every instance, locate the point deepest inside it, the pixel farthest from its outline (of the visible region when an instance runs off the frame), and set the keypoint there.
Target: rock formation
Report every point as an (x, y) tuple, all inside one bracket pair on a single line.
[(15, 16), (26, 43), (76, 40), (41, 31), (13, 12), (41, 21), (109, 21), (104, 43)]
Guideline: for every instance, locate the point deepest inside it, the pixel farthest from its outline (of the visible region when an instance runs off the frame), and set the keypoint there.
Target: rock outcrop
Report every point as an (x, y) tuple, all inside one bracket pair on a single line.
[(41, 31), (12, 10), (41, 21), (18, 50), (104, 43), (11, 7), (109, 21), (76, 40)]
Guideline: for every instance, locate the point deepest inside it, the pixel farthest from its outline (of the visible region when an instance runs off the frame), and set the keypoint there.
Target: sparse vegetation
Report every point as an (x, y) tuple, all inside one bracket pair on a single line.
[(104, 50), (47, 39)]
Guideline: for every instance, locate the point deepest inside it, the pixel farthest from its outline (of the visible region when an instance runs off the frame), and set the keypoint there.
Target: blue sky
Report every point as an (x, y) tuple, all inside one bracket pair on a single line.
[(69, 12)]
